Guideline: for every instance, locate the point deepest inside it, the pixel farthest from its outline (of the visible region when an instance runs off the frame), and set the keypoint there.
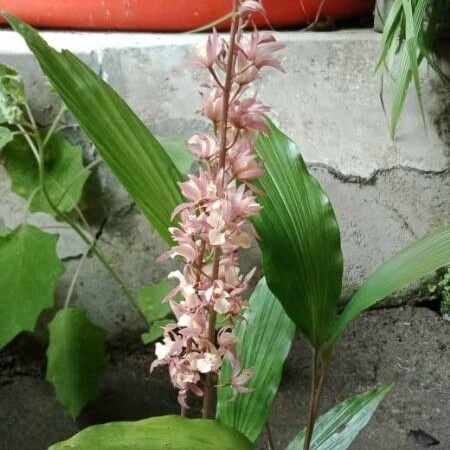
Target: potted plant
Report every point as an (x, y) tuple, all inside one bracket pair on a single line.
[(161, 15)]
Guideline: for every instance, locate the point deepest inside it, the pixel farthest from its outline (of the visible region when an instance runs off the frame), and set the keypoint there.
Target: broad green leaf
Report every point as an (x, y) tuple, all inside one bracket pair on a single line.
[(300, 238), (177, 150), (12, 95), (29, 271), (76, 358), (419, 259), (127, 146), (340, 426), (265, 337), (154, 309), (6, 136), (64, 173), (158, 433)]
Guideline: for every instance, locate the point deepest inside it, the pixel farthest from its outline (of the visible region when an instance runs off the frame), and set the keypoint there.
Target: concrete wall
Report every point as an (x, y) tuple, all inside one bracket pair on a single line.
[(386, 193)]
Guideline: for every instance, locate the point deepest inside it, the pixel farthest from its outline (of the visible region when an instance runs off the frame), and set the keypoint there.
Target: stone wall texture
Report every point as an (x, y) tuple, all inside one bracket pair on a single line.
[(386, 193)]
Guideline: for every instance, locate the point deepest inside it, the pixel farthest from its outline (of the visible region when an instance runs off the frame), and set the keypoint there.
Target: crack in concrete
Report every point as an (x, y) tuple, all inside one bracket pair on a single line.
[(373, 177), (402, 219)]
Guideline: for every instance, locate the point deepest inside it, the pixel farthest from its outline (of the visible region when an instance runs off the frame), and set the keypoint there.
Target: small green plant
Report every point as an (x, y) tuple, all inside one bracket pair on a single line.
[(409, 37), (442, 289), (47, 171)]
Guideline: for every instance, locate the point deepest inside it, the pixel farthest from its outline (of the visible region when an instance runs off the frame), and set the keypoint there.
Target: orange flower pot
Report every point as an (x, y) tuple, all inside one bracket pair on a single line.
[(169, 15)]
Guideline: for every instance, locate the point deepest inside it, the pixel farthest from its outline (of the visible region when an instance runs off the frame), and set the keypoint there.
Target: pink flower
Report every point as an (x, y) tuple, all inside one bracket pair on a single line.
[(215, 47), (242, 159), (212, 101), (238, 381), (249, 114), (199, 188), (202, 145), (259, 48), (246, 71), (250, 7)]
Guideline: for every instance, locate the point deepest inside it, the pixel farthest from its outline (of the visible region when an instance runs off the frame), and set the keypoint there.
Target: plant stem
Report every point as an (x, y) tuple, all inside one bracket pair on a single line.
[(75, 276), (54, 124), (38, 150), (269, 437), (319, 369), (209, 389)]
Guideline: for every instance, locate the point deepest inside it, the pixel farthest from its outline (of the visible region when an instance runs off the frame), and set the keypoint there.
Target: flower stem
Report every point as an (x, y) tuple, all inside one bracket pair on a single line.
[(209, 388)]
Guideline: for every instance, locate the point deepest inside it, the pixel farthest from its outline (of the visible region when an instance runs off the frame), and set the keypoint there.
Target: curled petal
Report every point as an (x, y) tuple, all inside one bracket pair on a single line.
[(202, 145), (250, 7)]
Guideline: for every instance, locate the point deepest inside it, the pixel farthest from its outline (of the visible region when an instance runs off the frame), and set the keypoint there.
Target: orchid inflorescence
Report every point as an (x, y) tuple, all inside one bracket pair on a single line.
[(214, 221)]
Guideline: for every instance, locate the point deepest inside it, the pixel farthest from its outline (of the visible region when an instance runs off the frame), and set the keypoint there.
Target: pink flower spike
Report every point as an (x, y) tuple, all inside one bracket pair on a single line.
[(213, 223)]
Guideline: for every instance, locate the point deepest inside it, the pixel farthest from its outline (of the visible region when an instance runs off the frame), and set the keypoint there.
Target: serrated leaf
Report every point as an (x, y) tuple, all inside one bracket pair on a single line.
[(414, 262), (12, 95), (150, 300), (300, 238), (339, 427), (4, 231), (265, 338), (156, 331), (177, 150), (29, 271), (64, 173), (6, 136), (76, 358), (158, 433), (154, 309), (127, 146)]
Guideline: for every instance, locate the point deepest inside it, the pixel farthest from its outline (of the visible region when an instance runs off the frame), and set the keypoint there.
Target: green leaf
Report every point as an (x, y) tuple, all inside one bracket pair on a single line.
[(419, 259), (150, 301), (64, 173), (300, 238), (29, 271), (76, 358), (177, 150), (154, 309), (158, 433), (127, 146), (265, 338), (390, 30), (156, 331), (339, 427), (4, 231), (409, 61), (12, 95), (6, 136)]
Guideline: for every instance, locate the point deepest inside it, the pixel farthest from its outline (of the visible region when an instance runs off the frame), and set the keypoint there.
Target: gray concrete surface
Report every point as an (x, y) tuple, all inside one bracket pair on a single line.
[(408, 346), (386, 193)]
